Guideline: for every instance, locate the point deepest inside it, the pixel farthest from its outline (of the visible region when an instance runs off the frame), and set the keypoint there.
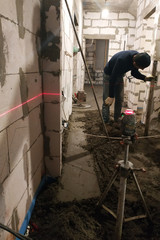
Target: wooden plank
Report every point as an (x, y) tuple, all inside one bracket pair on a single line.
[(150, 9), (150, 98)]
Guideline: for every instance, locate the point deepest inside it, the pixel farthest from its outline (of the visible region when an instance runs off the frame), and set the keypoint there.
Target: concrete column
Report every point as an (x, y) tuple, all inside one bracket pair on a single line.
[(51, 45)]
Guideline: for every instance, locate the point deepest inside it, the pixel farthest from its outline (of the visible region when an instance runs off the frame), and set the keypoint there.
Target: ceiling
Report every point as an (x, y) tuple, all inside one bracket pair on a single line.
[(112, 5)]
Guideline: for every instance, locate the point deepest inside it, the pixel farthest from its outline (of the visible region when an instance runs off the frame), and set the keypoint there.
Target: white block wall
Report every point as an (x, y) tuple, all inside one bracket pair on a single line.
[(146, 35), (58, 75), (21, 140), (51, 44), (143, 43), (68, 69), (118, 28)]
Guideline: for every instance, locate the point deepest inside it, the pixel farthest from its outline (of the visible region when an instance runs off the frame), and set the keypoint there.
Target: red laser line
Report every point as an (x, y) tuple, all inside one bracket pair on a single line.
[(29, 100)]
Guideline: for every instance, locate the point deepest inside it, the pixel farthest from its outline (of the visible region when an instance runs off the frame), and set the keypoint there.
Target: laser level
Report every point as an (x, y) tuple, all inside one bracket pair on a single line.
[(128, 123)]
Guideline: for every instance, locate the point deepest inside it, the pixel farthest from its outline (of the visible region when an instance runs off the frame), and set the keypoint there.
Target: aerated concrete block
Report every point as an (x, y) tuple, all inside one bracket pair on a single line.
[(34, 182), (111, 15), (51, 85), (8, 9), (14, 188), (120, 23), (4, 164), (125, 16), (18, 141), (34, 89), (92, 15), (98, 23), (22, 208), (13, 46), (110, 31), (34, 157), (31, 23), (55, 143), (21, 135), (53, 166), (10, 99), (20, 52), (52, 117), (48, 66), (87, 22), (91, 31)]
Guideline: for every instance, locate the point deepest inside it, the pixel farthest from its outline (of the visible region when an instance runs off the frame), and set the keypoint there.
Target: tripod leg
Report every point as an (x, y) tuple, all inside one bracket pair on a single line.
[(108, 187), (142, 197), (120, 208)]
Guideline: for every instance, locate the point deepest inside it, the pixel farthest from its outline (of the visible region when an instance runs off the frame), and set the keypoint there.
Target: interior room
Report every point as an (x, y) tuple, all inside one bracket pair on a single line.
[(65, 172)]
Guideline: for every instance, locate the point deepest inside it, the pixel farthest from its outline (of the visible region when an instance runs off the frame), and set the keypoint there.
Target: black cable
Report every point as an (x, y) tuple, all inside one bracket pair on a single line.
[(18, 235)]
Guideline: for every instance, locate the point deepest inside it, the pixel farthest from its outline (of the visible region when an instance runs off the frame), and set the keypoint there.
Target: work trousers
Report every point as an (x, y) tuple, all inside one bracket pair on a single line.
[(118, 95)]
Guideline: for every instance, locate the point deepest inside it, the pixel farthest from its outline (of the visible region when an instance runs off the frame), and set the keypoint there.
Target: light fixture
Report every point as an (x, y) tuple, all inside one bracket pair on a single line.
[(105, 13)]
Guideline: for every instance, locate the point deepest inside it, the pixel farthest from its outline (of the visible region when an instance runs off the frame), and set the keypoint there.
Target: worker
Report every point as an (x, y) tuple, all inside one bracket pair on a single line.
[(114, 71)]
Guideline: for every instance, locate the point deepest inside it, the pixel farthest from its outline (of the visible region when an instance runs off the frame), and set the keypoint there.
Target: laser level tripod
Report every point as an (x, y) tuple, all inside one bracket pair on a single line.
[(124, 168)]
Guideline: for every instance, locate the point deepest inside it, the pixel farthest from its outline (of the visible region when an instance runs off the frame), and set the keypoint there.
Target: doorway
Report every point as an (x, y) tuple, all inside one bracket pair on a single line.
[(96, 58)]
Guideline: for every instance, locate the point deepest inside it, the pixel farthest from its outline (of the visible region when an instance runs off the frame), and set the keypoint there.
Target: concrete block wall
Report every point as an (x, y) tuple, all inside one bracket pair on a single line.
[(78, 9), (36, 65), (90, 59), (155, 110), (50, 49), (67, 59), (57, 55), (118, 28), (143, 43), (147, 37), (21, 139), (69, 66)]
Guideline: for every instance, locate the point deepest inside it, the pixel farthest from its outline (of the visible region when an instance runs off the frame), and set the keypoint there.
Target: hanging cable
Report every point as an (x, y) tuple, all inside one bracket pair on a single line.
[(18, 235)]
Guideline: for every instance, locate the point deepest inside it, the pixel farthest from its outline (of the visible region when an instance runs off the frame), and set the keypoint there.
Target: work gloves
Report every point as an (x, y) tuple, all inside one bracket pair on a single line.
[(109, 101), (149, 78)]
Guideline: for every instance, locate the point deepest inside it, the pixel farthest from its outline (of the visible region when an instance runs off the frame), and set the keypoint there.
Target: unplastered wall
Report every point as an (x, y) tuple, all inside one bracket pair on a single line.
[(67, 58), (144, 40), (80, 64), (50, 50), (155, 53), (69, 67), (118, 28), (147, 39), (21, 140)]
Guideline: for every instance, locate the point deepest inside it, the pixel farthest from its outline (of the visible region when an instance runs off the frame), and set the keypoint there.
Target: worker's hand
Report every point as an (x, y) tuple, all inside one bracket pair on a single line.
[(149, 78), (109, 101)]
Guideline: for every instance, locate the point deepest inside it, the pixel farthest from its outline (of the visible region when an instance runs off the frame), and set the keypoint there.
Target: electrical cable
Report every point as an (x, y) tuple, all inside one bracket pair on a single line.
[(18, 235)]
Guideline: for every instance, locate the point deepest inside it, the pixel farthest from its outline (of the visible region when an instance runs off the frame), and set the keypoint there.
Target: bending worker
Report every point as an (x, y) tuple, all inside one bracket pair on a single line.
[(114, 71)]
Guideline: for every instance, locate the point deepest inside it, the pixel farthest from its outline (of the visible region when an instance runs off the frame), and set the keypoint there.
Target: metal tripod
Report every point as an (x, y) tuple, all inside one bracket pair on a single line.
[(124, 168)]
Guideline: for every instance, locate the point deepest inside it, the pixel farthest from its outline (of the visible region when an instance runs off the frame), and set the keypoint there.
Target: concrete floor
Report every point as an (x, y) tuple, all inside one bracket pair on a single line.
[(78, 180)]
